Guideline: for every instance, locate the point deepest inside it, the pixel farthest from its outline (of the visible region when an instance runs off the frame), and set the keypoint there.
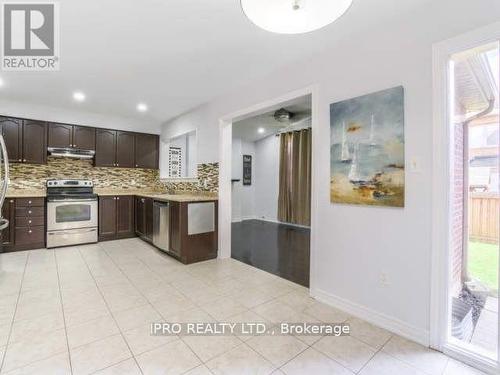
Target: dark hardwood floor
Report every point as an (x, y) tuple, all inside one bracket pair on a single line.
[(276, 248)]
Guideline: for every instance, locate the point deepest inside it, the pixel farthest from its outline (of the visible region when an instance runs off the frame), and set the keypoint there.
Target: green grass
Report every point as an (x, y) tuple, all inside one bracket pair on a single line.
[(483, 263)]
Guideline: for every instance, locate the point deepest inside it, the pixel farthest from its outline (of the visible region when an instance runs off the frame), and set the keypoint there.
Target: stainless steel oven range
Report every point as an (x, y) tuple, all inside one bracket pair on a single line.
[(71, 212)]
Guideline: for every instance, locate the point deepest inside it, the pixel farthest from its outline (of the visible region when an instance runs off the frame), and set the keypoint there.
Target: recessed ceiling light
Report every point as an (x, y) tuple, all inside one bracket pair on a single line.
[(294, 16), (141, 107), (79, 96), (261, 130)]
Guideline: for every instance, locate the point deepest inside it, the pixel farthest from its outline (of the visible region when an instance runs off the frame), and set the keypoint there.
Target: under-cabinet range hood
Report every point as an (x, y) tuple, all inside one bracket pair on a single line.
[(71, 152)]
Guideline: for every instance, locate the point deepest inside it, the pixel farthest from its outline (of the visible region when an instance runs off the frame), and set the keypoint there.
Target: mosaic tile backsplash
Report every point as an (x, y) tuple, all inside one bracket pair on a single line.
[(34, 176)]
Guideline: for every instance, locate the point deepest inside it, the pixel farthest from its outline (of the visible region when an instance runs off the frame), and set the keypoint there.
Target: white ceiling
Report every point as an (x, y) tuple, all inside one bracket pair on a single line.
[(171, 54), (247, 128)]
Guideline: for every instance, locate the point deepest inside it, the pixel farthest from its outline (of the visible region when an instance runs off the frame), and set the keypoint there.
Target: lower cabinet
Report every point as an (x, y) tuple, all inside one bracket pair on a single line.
[(144, 218), (116, 217), (26, 230), (191, 246), (191, 239)]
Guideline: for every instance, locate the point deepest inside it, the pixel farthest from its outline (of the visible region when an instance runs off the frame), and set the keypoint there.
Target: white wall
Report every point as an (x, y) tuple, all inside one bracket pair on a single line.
[(267, 177), (355, 244)]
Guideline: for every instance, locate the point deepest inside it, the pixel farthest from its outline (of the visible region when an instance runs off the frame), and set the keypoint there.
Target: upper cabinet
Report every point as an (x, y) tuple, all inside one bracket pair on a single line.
[(115, 148), (125, 153), (27, 142), (66, 136), (34, 142), (12, 131), (84, 137), (105, 148), (147, 151), (60, 135)]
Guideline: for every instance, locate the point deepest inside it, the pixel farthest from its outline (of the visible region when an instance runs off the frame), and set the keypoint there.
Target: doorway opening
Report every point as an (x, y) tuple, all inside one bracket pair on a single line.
[(271, 190), (266, 200)]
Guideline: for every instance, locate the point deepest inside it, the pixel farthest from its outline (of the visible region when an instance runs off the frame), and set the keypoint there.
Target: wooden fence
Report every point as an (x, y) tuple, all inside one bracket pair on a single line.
[(484, 217)]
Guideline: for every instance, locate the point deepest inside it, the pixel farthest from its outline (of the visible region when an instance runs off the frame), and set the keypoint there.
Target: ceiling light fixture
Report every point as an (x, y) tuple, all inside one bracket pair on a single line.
[(294, 16), (79, 96), (261, 130), (141, 107)]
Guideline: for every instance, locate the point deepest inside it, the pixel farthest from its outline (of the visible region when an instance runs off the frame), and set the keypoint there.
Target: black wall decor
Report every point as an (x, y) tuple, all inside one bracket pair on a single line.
[(247, 170)]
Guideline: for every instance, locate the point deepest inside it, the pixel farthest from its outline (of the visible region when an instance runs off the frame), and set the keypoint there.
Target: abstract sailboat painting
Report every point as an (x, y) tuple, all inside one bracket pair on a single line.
[(367, 158)]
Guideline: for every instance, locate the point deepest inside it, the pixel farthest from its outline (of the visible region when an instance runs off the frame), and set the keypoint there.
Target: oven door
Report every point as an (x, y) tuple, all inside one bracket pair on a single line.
[(71, 214)]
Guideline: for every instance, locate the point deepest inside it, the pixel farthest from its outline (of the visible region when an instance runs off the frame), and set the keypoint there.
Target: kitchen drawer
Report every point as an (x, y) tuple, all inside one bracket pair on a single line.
[(33, 235), (29, 211), (30, 221), (30, 202)]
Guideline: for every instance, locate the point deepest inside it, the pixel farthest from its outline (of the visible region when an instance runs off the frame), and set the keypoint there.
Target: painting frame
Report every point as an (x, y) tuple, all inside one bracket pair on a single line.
[(367, 149)]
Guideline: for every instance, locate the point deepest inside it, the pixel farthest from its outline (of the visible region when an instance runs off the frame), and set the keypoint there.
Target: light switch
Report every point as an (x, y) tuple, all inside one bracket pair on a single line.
[(415, 165)]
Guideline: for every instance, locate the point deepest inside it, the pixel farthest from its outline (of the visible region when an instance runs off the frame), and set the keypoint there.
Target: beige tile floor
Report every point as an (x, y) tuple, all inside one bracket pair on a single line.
[(87, 310)]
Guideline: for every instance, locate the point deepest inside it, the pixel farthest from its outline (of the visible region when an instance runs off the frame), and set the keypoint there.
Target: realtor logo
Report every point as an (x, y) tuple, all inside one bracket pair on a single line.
[(30, 36)]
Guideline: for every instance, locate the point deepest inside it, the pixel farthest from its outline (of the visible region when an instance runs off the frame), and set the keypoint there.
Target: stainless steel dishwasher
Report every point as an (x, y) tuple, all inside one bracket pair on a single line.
[(161, 225)]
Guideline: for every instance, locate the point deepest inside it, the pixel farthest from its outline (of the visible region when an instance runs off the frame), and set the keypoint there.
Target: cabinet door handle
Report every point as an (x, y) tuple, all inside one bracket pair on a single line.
[(118, 198), (117, 164), (136, 165), (12, 201), (24, 160), (29, 212), (30, 231), (20, 160), (29, 221), (29, 202), (114, 198)]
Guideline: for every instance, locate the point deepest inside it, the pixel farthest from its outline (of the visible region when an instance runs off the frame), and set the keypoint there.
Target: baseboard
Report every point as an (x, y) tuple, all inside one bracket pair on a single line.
[(381, 320)]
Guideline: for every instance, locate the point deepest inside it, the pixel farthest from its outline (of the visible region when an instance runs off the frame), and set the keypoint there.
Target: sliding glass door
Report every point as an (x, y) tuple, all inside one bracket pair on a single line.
[(474, 209)]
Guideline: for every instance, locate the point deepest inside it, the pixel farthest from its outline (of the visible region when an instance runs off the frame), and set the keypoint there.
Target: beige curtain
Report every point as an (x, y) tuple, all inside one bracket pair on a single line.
[(294, 201)]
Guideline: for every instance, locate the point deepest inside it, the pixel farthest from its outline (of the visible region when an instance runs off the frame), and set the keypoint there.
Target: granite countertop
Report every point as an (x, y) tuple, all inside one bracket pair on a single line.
[(180, 197), (184, 197), (23, 193)]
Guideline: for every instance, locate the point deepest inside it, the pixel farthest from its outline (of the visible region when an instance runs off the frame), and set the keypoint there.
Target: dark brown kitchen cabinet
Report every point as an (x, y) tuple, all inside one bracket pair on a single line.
[(84, 137), (144, 218), (147, 151), (125, 154), (66, 136), (116, 217), (12, 131), (107, 218), (114, 149), (8, 212), (125, 216), (60, 135), (191, 246), (29, 225), (34, 142), (105, 148), (175, 228)]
